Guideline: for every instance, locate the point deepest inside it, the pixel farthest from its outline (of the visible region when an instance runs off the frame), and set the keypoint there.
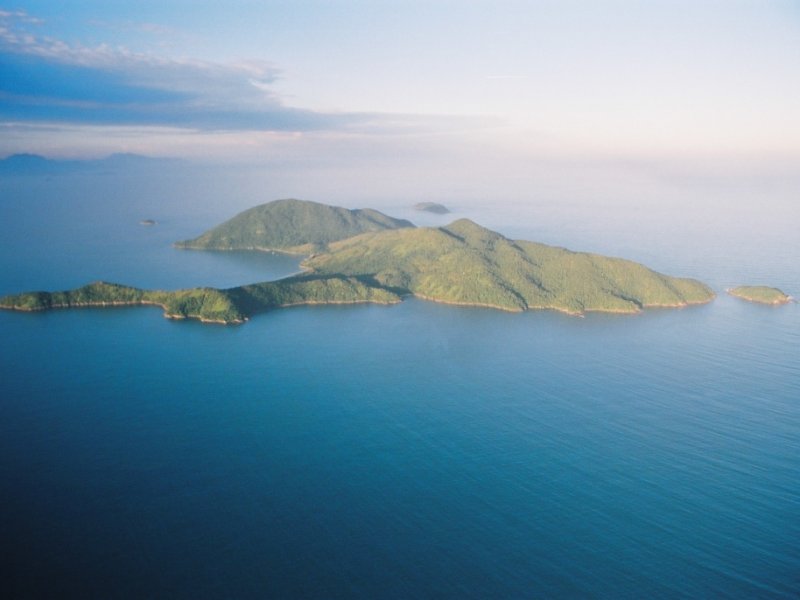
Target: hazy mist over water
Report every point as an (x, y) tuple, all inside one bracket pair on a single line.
[(726, 227)]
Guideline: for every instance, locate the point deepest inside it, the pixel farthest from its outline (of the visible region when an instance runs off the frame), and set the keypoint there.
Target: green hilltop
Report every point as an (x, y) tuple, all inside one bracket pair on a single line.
[(462, 263), (293, 226)]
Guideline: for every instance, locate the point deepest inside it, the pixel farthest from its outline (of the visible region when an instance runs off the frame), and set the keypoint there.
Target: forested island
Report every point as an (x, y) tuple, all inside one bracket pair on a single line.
[(356, 256), (292, 226)]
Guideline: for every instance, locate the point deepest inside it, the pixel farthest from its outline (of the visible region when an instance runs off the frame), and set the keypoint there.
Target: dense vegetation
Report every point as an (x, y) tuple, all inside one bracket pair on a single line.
[(295, 226), (465, 263), (462, 263), (760, 293), (207, 304)]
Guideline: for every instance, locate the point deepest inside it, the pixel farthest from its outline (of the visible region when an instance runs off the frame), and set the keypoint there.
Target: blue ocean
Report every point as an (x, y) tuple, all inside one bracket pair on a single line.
[(408, 451)]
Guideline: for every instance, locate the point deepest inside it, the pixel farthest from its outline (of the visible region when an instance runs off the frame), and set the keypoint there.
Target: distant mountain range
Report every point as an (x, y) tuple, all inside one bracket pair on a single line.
[(34, 164), (366, 256)]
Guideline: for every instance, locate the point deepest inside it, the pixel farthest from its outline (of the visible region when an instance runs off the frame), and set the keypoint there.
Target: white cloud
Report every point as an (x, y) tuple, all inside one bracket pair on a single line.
[(194, 93), (68, 85)]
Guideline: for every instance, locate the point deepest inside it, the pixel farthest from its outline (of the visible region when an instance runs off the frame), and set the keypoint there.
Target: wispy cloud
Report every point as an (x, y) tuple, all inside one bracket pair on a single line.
[(46, 79), (19, 15)]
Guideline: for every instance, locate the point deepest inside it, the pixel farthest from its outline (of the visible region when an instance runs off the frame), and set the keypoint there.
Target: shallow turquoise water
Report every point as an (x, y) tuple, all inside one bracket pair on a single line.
[(416, 450)]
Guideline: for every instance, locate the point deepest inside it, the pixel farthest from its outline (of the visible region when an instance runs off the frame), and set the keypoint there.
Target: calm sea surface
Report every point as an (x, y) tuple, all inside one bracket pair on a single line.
[(410, 451)]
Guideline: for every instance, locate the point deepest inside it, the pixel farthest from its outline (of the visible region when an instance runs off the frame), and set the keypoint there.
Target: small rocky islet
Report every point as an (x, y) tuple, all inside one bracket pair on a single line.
[(760, 294), (432, 207)]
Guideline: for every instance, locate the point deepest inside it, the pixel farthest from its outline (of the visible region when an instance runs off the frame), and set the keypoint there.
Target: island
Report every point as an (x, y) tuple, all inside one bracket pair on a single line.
[(291, 226), (432, 207), (760, 294), (387, 260)]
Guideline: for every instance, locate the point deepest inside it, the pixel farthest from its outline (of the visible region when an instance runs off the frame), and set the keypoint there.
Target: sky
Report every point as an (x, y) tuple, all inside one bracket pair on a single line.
[(437, 84)]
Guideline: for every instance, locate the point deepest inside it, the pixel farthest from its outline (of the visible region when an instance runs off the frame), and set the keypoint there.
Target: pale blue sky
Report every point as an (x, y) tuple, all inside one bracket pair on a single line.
[(255, 80)]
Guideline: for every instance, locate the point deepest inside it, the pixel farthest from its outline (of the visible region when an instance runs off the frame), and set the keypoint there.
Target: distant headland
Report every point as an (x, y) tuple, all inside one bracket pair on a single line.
[(355, 256)]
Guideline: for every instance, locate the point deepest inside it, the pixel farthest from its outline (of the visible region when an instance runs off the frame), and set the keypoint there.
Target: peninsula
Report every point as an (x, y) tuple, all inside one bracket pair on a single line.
[(760, 294), (366, 256)]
